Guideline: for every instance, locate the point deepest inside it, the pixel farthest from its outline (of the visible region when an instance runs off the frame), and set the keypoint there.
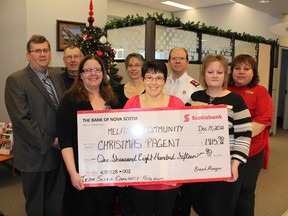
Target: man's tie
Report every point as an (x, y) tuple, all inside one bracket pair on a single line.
[(50, 91)]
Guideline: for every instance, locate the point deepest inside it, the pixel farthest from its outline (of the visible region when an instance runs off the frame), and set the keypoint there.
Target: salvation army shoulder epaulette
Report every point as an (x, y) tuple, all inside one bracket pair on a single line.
[(195, 83)]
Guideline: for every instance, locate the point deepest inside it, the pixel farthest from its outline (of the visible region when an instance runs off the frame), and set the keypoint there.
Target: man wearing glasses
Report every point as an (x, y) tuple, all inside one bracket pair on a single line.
[(32, 96), (179, 83), (72, 58)]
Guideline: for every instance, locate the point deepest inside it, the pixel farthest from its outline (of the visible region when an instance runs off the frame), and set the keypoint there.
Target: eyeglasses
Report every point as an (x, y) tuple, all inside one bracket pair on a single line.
[(131, 65), (89, 70), (72, 57), (157, 79), (39, 51), (177, 58)]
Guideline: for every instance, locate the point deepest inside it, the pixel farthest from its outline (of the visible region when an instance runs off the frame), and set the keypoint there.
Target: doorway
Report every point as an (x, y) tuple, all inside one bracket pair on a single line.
[(282, 116)]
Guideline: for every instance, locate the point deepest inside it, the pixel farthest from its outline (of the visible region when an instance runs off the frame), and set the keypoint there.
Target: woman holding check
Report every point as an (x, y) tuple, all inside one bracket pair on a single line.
[(214, 198), (154, 199), (90, 91)]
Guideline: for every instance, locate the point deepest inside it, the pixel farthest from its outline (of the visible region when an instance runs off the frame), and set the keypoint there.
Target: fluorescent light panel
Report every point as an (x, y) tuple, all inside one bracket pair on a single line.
[(174, 4), (264, 1)]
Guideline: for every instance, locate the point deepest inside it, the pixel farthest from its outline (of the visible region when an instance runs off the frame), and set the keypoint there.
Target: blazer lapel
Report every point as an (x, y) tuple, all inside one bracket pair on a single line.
[(40, 86)]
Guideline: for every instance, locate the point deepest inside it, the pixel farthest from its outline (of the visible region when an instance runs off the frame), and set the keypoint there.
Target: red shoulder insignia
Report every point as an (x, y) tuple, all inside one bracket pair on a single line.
[(195, 83)]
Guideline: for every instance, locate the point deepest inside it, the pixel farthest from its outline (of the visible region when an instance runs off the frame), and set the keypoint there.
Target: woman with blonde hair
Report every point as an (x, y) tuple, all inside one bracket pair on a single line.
[(214, 198)]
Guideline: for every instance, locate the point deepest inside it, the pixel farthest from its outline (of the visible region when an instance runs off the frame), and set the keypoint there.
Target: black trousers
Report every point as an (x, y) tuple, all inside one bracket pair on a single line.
[(125, 201), (43, 192), (209, 198), (153, 202), (92, 201), (245, 197)]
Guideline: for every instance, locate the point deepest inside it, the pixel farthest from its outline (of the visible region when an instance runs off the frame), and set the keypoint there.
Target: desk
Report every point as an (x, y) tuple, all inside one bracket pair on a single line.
[(4, 158)]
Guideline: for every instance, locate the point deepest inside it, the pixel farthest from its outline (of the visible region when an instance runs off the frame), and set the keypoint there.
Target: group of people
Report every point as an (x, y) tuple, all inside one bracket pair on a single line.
[(43, 105)]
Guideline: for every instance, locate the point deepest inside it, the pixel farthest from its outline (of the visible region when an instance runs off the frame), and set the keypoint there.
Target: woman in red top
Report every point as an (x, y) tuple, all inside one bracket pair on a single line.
[(154, 199), (244, 79)]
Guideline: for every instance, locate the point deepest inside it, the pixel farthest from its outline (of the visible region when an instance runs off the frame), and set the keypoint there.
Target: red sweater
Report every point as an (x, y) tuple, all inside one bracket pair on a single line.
[(260, 105)]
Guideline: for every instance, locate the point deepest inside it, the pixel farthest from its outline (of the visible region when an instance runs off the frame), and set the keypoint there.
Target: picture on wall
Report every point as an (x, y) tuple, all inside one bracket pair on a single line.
[(66, 31)]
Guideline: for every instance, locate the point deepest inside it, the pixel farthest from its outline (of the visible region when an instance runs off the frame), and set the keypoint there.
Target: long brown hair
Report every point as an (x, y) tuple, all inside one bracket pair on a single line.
[(79, 93)]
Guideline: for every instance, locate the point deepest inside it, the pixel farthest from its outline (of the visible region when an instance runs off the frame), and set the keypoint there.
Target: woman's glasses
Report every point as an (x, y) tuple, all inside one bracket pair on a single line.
[(90, 70), (157, 79)]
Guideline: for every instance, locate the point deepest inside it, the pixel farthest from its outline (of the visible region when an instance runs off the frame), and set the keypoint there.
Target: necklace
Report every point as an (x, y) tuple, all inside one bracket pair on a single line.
[(211, 99)]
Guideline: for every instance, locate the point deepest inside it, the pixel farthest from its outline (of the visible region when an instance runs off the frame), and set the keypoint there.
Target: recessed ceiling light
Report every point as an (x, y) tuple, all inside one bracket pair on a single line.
[(174, 4), (264, 1)]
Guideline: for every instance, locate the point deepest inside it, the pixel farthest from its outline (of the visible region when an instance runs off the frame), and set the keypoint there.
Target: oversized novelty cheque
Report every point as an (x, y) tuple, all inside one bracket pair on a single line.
[(149, 146)]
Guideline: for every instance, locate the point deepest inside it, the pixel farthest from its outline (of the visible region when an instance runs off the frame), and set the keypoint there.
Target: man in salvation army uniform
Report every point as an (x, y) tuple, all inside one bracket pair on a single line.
[(179, 83)]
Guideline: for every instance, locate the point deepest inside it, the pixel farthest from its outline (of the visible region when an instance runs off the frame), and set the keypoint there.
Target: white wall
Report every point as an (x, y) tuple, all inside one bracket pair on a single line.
[(121, 9), (234, 16), (12, 43)]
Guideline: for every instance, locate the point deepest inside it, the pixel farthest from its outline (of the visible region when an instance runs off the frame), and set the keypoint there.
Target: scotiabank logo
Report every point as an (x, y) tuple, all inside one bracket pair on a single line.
[(188, 117)]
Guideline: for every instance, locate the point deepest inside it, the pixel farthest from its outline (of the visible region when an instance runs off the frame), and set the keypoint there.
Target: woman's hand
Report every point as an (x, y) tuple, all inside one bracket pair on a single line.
[(76, 181), (68, 157), (234, 170)]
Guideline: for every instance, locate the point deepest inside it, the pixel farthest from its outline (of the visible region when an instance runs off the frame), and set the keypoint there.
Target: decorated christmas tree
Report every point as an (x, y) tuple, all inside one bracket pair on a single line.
[(93, 40)]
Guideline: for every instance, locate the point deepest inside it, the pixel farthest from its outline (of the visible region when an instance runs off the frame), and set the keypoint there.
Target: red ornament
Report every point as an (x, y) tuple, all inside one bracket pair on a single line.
[(112, 52), (87, 37), (90, 18), (119, 76), (100, 54)]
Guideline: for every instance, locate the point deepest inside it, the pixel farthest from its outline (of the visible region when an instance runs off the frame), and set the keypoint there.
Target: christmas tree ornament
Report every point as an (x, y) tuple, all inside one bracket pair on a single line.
[(100, 54), (90, 18), (112, 52), (103, 39), (87, 37)]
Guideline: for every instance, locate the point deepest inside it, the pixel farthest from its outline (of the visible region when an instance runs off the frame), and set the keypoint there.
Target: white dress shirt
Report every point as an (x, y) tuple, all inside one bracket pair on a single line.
[(182, 87)]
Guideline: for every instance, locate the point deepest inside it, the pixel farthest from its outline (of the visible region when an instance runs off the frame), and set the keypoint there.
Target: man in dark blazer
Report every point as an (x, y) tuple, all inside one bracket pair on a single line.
[(32, 112)]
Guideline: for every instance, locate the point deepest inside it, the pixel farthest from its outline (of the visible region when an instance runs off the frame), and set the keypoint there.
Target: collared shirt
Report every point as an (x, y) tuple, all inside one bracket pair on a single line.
[(67, 80), (182, 87), (41, 77)]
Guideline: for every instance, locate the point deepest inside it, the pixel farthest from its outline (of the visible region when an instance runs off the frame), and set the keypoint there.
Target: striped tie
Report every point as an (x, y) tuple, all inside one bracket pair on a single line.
[(50, 91)]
